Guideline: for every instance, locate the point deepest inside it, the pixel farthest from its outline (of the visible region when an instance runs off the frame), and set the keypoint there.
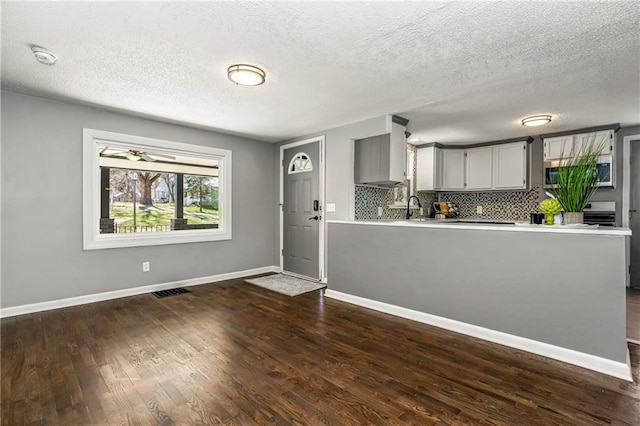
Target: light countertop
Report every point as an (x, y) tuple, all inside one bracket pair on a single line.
[(490, 225)]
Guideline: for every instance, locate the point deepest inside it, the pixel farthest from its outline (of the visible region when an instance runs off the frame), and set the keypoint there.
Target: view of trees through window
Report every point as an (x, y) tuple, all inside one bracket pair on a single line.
[(145, 201)]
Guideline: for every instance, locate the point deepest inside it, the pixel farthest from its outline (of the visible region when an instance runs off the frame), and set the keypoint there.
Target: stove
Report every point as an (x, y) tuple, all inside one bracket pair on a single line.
[(601, 213)]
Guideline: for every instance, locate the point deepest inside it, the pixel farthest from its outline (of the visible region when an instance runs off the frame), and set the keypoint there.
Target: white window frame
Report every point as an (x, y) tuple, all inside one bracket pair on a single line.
[(294, 158), (93, 239)]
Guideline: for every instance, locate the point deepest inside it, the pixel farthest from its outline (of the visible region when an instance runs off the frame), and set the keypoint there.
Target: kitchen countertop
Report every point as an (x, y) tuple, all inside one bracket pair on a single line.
[(490, 225)]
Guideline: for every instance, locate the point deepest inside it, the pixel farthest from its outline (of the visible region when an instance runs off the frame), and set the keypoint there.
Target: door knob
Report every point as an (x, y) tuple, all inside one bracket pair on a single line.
[(314, 218)]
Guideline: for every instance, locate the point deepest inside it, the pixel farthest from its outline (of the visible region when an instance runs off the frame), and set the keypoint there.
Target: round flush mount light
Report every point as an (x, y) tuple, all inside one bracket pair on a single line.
[(44, 56), (536, 120), (246, 75), (414, 140)]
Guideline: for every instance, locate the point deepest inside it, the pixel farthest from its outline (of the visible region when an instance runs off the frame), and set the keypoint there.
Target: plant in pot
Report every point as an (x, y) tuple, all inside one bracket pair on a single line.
[(576, 181)]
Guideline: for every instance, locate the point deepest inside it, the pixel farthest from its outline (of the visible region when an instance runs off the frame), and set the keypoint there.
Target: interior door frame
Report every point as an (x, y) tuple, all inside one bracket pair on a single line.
[(626, 193), (321, 226)]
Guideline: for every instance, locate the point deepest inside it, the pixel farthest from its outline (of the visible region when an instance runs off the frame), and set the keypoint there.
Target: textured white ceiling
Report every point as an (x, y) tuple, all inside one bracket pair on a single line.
[(460, 71)]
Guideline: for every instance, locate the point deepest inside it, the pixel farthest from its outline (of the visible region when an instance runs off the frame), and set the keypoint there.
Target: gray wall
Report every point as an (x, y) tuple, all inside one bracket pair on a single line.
[(563, 289), (42, 255)]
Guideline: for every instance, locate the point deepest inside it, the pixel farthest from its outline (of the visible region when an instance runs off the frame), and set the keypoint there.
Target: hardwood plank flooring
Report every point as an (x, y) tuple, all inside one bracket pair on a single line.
[(633, 315), (234, 353)]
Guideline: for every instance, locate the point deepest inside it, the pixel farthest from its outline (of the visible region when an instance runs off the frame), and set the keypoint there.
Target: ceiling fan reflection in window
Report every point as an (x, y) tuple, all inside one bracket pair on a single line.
[(135, 155)]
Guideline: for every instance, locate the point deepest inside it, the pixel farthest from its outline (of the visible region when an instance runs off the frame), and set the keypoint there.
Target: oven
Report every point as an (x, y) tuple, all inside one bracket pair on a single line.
[(601, 213)]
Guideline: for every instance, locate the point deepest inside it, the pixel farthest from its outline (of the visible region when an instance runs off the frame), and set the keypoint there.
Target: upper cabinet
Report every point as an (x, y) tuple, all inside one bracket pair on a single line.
[(558, 147), (501, 166), (452, 164), (510, 166), (597, 139), (479, 168), (568, 146), (429, 169), (381, 160)]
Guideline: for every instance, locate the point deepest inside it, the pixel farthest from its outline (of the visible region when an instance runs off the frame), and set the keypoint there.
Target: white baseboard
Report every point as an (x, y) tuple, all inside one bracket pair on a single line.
[(91, 298), (591, 362)]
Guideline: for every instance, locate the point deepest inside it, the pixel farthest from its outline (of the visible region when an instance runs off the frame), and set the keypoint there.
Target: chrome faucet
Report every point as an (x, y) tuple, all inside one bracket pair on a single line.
[(409, 214)]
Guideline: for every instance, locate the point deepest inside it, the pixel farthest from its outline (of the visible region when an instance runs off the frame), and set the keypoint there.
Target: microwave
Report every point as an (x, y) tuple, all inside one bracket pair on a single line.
[(605, 168)]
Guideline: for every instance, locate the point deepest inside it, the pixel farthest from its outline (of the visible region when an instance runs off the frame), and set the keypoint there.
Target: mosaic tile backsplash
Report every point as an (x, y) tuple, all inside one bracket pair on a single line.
[(369, 198), (498, 205)]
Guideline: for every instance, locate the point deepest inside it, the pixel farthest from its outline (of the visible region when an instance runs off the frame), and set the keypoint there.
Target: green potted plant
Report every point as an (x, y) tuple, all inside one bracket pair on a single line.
[(576, 182)]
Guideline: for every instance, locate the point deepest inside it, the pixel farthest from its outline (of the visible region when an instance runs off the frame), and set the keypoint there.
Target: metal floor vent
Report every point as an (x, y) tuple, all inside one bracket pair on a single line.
[(171, 292)]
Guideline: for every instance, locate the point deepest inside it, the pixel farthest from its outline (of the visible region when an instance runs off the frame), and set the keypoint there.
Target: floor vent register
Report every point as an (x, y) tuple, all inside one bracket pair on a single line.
[(171, 292)]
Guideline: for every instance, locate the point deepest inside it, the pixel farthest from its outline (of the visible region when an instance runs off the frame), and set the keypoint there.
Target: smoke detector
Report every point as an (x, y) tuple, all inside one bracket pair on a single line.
[(44, 56)]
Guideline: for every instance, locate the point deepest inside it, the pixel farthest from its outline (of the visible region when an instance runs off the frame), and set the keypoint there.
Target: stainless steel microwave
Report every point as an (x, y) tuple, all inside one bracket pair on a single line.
[(605, 169)]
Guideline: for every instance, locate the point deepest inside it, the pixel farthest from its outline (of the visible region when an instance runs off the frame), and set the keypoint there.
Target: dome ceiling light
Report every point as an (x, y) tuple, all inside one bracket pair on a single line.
[(44, 56), (536, 120), (246, 75)]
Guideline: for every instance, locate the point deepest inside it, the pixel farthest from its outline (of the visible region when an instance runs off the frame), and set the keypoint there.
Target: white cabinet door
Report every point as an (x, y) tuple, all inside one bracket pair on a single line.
[(558, 147), (438, 169), (397, 154), (479, 168), (426, 169), (596, 139), (510, 166), (453, 169)]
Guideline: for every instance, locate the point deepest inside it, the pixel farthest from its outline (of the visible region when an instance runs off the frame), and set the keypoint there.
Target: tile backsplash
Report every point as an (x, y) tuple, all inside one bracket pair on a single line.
[(369, 198), (499, 205)]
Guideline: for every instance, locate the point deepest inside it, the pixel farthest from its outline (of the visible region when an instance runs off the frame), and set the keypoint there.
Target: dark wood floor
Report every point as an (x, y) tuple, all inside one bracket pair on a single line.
[(235, 353), (633, 315)]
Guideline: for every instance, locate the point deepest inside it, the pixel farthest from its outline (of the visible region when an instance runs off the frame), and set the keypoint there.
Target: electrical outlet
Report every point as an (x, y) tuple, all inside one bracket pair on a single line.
[(379, 211), (479, 209), (146, 267)]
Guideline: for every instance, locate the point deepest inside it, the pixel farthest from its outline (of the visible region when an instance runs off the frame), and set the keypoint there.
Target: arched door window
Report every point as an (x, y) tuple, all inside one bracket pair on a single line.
[(300, 163)]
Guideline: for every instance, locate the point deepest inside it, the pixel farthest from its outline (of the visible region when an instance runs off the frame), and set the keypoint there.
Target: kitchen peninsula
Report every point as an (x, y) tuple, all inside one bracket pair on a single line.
[(554, 291)]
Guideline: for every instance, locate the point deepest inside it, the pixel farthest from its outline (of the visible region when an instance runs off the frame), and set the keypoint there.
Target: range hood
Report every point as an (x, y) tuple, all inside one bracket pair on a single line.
[(381, 160)]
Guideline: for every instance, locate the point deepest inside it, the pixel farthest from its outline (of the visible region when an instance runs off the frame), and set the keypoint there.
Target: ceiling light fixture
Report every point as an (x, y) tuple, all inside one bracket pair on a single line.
[(44, 56), (536, 120), (246, 75), (414, 140)]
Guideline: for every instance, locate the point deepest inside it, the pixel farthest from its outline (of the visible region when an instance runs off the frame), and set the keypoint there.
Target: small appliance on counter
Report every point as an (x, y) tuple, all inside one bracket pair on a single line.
[(445, 210)]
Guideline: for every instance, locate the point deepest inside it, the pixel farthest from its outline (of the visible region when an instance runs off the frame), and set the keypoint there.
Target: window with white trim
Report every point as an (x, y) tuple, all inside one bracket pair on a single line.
[(140, 191), (300, 162)]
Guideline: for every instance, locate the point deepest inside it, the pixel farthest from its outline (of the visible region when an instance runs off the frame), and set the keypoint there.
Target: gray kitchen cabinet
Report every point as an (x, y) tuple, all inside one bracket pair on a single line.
[(479, 168), (510, 166), (453, 168), (429, 168), (382, 159)]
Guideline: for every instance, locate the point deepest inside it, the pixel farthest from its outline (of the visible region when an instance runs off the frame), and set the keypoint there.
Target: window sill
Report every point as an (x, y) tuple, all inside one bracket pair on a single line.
[(106, 241)]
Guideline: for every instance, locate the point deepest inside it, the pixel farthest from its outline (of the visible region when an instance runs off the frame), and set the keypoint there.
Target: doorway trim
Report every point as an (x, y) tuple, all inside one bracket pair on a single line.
[(321, 230), (626, 192)]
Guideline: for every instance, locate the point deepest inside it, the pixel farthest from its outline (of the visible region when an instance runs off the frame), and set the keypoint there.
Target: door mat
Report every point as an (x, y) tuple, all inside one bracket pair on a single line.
[(285, 284)]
